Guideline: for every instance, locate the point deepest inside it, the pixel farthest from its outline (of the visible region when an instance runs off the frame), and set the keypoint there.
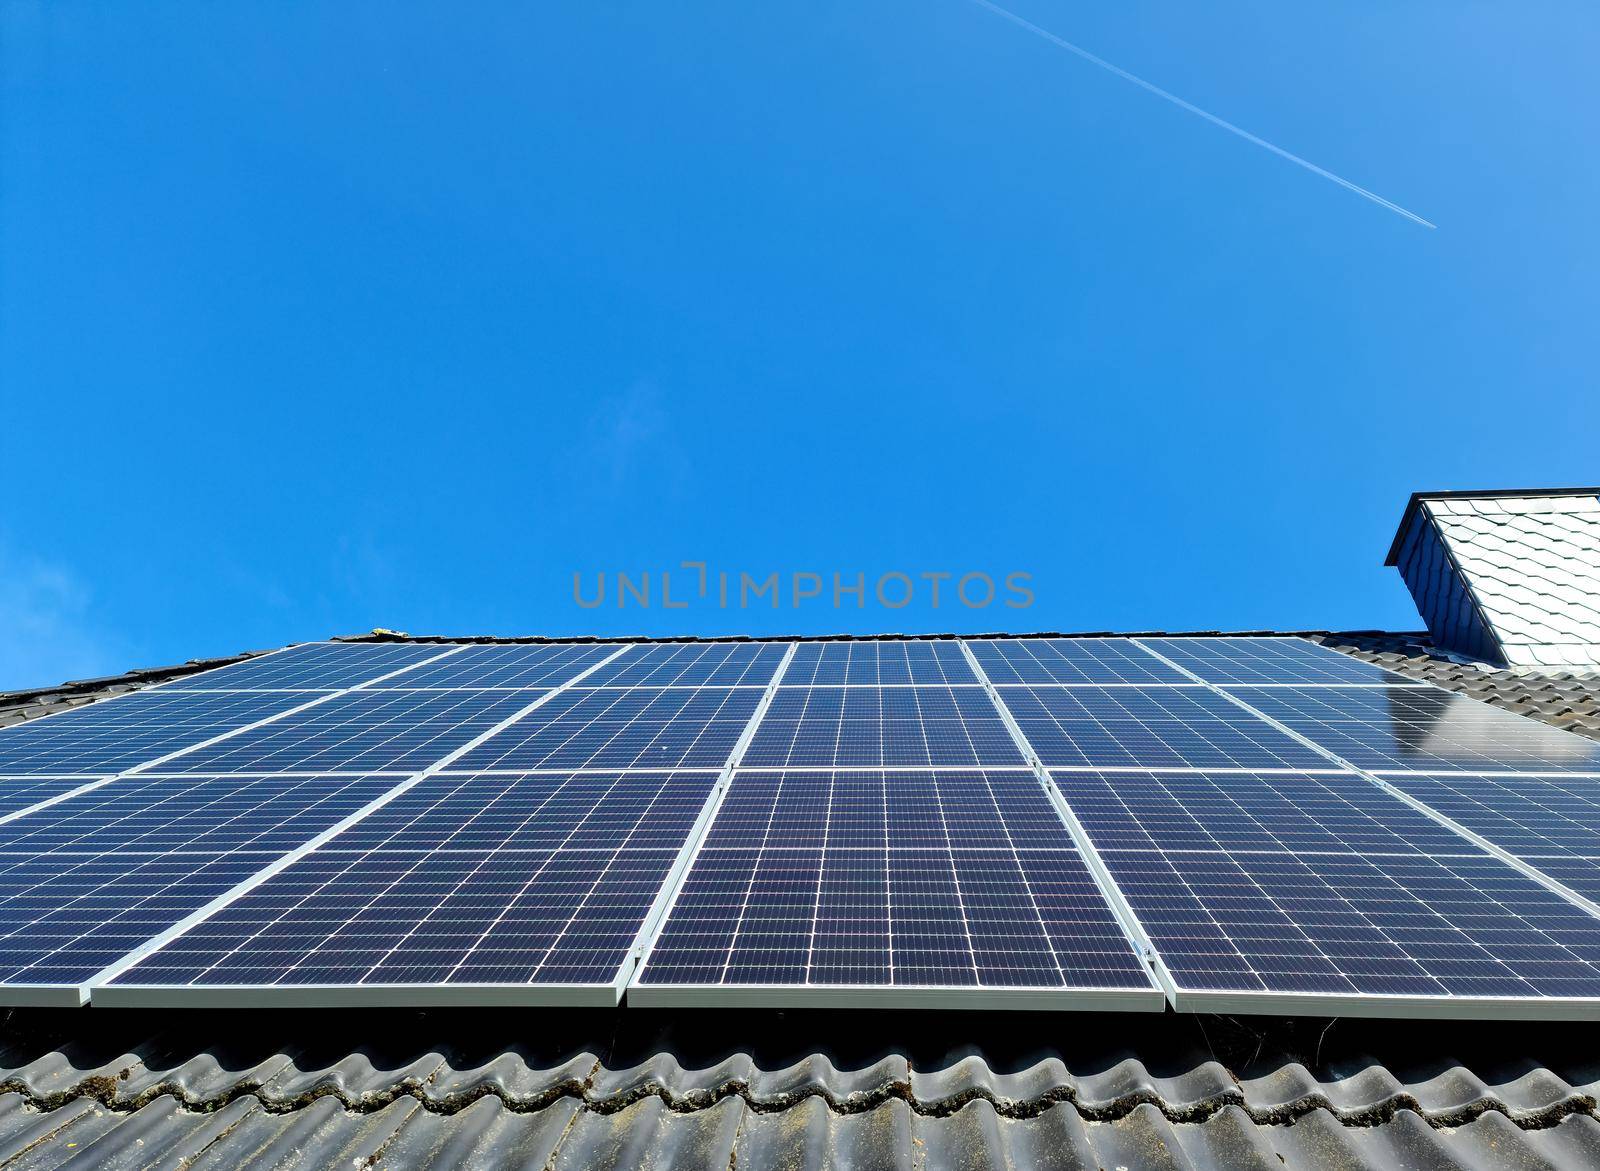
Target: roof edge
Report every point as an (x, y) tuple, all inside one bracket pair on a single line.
[(1469, 494)]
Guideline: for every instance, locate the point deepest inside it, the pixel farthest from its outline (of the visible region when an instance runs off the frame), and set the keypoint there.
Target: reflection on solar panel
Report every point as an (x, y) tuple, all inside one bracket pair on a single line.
[(611, 728), (1255, 887), (1553, 825), (315, 665), (360, 731), (1268, 660), (677, 664), (863, 887), (880, 663), (496, 665), (903, 726), (1071, 660), (92, 877), (1425, 729), (534, 884), (118, 734), (1156, 727)]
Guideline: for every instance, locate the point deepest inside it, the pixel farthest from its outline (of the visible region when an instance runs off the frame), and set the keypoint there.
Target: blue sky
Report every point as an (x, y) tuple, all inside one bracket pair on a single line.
[(319, 317)]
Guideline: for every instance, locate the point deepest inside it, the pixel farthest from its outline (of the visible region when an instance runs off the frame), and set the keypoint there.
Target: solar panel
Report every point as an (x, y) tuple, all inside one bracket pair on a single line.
[(195, 814), (1268, 660), (1070, 660), (1422, 729), (535, 885), (870, 727), (898, 888), (1324, 894), (501, 665), (360, 731), (706, 664), (120, 733), (90, 878), (326, 666), (18, 793), (1155, 727), (1552, 824), (613, 728), (882, 663)]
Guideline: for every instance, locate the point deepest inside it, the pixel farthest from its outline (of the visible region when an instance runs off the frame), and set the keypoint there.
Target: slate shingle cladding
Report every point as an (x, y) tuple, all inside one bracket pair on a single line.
[(1509, 578)]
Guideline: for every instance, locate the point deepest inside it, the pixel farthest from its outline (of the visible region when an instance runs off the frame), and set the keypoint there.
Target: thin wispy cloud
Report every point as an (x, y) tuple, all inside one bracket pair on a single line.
[(48, 630), (1062, 43)]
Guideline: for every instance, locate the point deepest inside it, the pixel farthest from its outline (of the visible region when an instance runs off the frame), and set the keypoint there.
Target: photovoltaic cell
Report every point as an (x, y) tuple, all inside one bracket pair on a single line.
[(89, 879), (643, 727), (1070, 660), (1268, 660), (931, 879), (879, 662), (1156, 727), (703, 664), (503, 665), (117, 734), (1422, 729), (18, 793), (362, 731), (326, 666), (193, 814), (1551, 824), (502, 880), (1325, 886), (869, 727), (62, 919)]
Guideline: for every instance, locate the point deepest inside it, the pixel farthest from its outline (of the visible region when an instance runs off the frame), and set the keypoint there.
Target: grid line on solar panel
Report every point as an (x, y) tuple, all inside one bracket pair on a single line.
[(1551, 824), (1325, 886), (125, 732), (879, 663), (868, 727), (1161, 726), (1070, 661), (263, 874), (317, 666), (1242, 660), (716, 664), (622, 728), (520, 880), (1404, 729), (501, 666), (866, 879), (359, 731), (191, 813), (18, 794), (86, 880)]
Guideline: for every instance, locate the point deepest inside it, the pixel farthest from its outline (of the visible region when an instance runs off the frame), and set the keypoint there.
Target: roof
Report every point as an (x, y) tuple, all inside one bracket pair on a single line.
[(1471, 494), (1513, 578), (638, 1087)]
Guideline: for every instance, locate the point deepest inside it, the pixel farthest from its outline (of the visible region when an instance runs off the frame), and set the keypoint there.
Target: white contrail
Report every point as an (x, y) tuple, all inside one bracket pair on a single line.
[(1194, 109)]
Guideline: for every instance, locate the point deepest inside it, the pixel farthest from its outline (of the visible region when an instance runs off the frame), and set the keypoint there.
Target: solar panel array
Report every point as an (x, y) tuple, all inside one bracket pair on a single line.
[(1222, 824)]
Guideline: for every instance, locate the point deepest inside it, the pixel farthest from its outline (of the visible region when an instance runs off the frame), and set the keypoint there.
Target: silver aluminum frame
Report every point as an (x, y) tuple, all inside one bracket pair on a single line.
[(963, 997), (356, 995)]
